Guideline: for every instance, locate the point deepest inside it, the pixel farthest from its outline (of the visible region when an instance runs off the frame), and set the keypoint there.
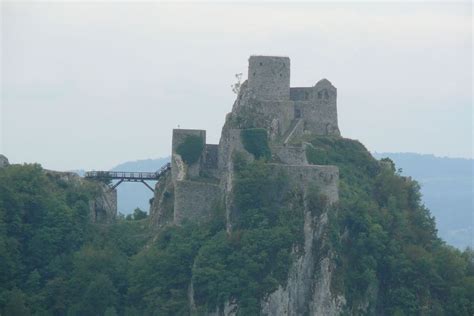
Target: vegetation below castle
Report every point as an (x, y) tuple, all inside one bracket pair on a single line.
[(387, 252), (110, 271), (53, 261)]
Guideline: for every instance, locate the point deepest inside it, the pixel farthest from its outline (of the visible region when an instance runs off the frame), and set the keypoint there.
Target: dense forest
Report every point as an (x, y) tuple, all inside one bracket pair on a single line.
[(54, 261)]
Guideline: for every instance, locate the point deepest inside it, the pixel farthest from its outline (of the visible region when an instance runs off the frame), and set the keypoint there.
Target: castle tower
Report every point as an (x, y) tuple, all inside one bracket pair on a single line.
[(269, 77)]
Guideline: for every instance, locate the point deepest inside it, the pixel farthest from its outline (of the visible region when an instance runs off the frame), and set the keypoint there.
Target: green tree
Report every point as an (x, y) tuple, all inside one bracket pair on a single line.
[(191, 149), (138, 214)]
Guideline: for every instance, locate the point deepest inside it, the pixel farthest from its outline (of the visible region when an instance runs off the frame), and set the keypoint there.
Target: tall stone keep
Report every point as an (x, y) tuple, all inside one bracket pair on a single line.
[(269, 77)]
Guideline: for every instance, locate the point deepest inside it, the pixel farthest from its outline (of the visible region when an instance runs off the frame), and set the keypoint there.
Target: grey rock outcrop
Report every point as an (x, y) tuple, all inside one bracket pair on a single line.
[(4, 161), (103, 209), (162, 207)]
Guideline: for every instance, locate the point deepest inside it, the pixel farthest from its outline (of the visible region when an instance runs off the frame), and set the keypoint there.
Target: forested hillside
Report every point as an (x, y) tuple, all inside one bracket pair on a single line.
[(53, 260), (447, 189), (388, 258)]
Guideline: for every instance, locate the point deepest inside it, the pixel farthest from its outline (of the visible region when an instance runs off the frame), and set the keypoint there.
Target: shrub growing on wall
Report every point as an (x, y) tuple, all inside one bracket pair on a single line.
[(191, 148), (255, 141)]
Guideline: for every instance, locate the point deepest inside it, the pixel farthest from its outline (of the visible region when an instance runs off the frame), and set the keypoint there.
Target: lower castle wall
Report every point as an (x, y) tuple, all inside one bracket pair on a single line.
[(209, 165), (195, 200), (325, 178), (320, 117), (291, 155)]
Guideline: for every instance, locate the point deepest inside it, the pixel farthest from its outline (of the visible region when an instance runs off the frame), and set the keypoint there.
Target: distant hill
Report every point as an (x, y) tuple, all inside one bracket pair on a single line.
[(448, 191)]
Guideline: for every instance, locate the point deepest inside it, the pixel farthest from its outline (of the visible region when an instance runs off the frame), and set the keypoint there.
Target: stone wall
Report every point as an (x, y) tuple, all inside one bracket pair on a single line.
[(301, 93), (317, 106), (291, 155), (209, 165), (194, 201), (325, 178), (269, 77)]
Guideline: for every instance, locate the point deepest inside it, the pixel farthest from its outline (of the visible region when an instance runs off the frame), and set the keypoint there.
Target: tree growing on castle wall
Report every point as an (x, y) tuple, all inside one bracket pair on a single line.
[(236, 86), (191, 149)]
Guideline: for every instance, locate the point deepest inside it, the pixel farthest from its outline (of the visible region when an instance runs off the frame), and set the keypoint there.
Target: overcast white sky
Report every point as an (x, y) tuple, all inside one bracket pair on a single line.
[(90, 85)]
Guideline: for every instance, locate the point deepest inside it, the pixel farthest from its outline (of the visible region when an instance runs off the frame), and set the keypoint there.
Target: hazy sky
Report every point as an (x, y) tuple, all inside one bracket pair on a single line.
[(90, 85)]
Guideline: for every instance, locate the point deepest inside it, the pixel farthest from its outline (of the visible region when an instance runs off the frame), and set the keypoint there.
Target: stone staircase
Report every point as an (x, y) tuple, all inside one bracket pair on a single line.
[(294, 126)]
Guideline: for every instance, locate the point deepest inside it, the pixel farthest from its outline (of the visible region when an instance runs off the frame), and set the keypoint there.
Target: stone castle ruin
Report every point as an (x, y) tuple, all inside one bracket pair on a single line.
[(192, 189)]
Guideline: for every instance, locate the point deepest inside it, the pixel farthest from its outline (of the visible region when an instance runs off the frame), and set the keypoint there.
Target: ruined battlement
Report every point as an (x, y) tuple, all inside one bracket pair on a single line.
[(202, 174), (266, 100), (322, 92)]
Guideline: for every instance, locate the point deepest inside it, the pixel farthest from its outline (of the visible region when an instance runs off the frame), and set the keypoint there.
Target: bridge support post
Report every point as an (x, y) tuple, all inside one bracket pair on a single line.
[(147, 185), (116, 184)]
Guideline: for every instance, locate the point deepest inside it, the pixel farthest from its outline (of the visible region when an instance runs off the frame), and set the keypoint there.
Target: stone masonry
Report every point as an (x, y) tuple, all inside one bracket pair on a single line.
[(267, 101)]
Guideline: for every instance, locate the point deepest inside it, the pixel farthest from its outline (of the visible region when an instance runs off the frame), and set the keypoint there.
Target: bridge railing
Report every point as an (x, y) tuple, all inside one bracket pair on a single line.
[(125, 175)]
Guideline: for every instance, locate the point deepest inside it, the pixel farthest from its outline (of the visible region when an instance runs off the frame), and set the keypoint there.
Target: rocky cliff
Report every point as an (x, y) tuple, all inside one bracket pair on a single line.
[(265, 124)]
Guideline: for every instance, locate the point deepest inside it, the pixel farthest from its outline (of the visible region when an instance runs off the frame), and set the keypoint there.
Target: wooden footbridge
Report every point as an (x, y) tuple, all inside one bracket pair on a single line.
[(125, 176)]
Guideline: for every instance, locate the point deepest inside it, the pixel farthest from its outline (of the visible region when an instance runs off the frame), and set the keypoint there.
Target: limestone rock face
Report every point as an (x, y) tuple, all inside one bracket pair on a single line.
[(3, 161), (308, 289), (103, 209), (162, 207)]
